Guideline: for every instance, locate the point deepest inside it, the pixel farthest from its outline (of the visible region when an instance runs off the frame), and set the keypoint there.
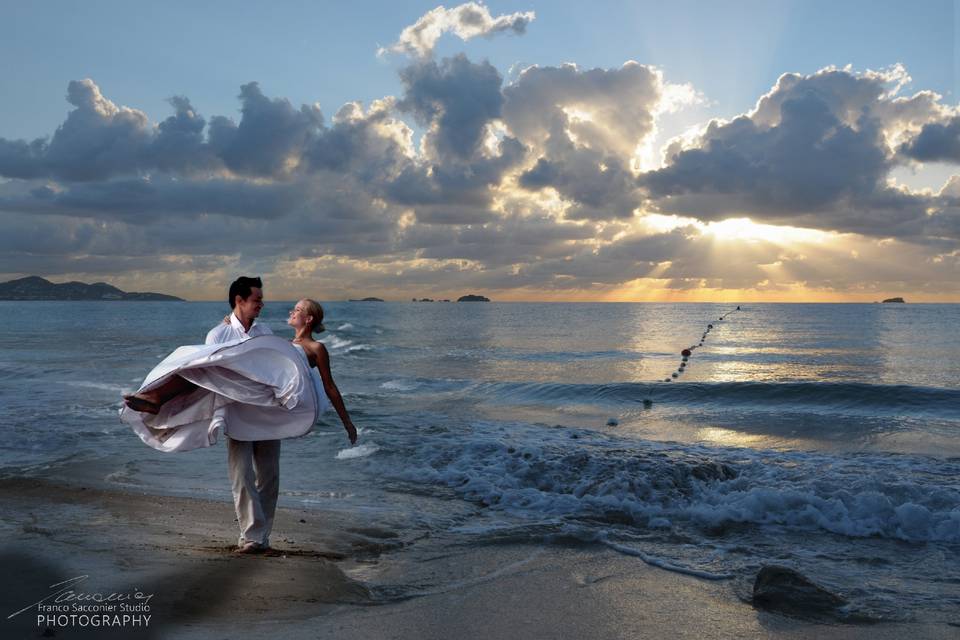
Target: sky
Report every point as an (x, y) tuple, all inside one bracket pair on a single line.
[(556, 151)]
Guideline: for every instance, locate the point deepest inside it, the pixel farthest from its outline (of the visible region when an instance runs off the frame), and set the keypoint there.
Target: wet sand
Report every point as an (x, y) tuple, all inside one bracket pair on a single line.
[(331, 575)]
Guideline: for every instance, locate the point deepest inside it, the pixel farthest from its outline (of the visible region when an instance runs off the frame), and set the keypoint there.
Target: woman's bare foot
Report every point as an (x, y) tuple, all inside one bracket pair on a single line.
[(142, 403)]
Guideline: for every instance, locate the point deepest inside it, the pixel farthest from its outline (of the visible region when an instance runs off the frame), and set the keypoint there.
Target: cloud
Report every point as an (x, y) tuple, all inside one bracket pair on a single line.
[(22, 159), (179, 145), (371, 145), (456, 99), (936, 142), (458, 102), (466, 21), (815, 152), (508, 240), (270, 138), (531, 187), (607, 110), (585, 126), (98, 139)]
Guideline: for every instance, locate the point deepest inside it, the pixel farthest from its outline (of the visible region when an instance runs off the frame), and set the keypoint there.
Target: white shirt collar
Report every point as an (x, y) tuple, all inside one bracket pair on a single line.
[(236, 324)]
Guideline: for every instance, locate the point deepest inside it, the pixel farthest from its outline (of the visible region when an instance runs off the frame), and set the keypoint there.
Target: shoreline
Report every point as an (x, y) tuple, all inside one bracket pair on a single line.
[(329, 575)]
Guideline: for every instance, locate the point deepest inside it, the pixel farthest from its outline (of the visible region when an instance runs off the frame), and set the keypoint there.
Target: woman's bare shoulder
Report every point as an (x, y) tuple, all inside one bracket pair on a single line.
[(314, 347)]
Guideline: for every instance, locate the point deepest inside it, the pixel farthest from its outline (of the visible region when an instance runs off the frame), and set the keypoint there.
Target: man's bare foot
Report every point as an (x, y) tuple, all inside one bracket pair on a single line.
[(251, 548), (142, 404)]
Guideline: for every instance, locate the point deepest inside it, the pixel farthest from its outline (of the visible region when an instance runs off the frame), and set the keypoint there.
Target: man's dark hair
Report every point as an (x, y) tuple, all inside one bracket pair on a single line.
[(241, 287)]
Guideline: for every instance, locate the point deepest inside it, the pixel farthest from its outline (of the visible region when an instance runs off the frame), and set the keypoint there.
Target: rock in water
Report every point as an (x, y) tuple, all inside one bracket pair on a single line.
[(791, 593)]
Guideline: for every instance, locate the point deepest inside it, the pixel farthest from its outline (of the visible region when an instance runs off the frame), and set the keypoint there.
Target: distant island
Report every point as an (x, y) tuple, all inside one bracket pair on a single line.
[(37, 288), (467, 298), (365, 300), (898, 300)]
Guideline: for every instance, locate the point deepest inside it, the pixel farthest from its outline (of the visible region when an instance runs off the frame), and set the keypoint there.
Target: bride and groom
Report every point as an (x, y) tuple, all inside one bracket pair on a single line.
[(255, 388)]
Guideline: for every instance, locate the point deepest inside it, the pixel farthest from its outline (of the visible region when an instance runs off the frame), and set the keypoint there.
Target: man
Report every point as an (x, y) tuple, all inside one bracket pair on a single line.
[(254, 467)]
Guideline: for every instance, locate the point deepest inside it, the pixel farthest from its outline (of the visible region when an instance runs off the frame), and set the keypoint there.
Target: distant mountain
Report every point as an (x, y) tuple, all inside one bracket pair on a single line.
[(366, 300), (473, 298), (36, 288), (897, 300)]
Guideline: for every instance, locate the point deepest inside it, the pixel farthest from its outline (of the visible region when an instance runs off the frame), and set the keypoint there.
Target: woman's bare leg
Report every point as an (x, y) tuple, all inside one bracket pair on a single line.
[(151, 401)]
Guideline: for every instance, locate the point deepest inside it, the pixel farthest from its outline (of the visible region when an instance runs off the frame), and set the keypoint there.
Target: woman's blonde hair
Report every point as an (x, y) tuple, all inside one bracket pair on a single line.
[(314, 309)]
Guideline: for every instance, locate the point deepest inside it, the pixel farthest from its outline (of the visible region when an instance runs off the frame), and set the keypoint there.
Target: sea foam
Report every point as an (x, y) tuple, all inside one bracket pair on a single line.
[(656, 486)]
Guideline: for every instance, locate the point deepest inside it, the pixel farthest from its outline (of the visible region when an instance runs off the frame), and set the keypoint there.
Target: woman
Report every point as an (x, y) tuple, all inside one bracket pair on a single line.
[(261, 388), (305, 318)]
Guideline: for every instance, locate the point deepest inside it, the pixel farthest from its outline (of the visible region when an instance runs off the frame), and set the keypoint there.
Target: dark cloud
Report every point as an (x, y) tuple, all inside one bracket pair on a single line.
[(632, 257), (807, 162), (270, 138), (586, 126), (599, 186), (617, 105), (153, 200), (22, 159), (814, 153), (460, 184), (180, 145), (97, 140), (936, 142), (456, 99), (505, 241), (475, 204), (371, 146)]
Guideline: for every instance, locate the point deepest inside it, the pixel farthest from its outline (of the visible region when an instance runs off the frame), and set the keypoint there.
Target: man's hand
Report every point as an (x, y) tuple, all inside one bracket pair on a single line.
[(351, 432)]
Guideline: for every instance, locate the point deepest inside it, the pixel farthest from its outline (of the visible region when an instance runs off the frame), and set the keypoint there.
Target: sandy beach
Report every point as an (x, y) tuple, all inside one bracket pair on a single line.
[(330, 577)]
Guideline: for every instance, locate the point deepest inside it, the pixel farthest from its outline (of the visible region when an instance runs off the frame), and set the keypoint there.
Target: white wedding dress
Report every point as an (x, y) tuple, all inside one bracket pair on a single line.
[(260, 388)]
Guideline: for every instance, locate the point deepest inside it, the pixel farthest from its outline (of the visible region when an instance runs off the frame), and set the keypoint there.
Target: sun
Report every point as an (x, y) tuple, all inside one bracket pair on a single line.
[(745, 229), (737, 230)]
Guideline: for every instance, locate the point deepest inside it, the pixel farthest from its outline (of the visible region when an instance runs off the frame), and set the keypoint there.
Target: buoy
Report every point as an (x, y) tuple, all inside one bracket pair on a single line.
[(709, 326), (647, 403), (738, 307), (674, 374), (612, 422), (666, 379), (685, 353)]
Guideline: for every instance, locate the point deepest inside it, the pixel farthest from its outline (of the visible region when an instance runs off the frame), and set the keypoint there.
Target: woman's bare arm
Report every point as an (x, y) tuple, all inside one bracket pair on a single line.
[(330, 387)]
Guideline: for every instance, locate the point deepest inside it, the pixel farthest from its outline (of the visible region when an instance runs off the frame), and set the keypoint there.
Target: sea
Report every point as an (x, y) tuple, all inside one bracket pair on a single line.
[(821, 437)]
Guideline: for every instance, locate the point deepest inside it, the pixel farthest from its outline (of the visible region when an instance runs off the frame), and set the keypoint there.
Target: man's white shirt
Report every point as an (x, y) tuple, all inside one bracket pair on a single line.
[(224, 332)]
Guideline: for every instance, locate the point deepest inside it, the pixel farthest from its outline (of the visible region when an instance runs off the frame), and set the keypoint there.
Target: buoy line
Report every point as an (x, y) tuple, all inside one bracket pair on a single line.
[(687, 353)]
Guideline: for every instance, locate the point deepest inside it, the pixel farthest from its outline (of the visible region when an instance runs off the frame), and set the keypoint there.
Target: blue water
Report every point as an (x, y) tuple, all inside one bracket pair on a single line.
[(825, 437)]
